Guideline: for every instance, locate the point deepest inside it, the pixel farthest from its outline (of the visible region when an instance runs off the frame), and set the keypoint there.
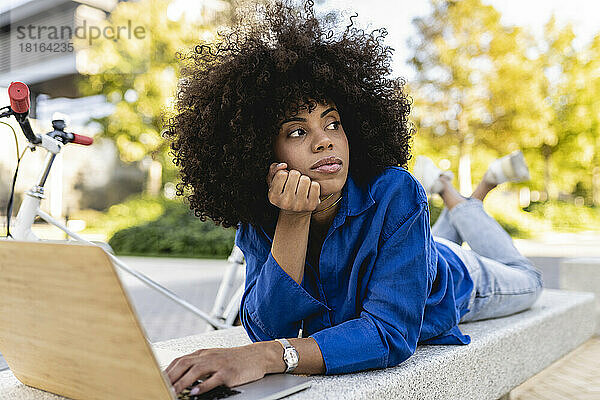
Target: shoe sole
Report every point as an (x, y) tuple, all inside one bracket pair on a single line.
[(519, 166), (419, 173)]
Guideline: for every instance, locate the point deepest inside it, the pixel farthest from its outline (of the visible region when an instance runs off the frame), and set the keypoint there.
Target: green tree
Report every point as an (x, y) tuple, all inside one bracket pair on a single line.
[(572, 150), (139, 75), (558, 60), (590, 81), (480, 86)]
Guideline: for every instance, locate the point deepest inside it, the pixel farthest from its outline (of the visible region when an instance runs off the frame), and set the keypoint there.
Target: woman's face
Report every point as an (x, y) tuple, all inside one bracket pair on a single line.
[(306, 138)]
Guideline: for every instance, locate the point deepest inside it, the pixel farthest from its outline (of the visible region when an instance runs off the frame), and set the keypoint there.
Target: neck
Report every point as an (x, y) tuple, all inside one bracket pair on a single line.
[(325, 218)]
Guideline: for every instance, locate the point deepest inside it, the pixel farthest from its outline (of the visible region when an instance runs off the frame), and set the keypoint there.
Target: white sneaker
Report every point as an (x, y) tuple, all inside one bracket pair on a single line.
[(428, 174), (510, 168)]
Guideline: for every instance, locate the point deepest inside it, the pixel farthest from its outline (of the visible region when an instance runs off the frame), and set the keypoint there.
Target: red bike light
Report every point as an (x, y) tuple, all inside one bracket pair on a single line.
[(18, 92)]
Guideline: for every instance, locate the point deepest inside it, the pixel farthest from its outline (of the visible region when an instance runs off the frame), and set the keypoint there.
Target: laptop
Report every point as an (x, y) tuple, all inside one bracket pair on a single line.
[(68, 327)]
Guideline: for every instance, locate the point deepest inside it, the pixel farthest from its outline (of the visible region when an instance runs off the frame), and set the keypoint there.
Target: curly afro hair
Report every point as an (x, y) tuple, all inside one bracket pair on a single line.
[(233, 95)]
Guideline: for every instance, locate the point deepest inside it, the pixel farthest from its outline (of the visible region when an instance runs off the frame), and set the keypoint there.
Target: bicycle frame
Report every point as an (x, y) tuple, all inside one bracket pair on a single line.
[(228, 312), (222, 316)]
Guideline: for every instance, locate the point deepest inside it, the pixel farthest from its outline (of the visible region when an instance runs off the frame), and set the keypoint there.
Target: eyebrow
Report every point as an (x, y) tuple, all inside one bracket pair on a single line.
[(324, 113)]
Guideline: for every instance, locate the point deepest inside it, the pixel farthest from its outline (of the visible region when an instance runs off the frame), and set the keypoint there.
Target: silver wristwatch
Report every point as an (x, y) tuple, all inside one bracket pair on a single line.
[(290, 355)]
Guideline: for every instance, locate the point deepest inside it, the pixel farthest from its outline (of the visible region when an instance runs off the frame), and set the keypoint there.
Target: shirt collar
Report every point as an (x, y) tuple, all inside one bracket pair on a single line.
[(355, 201)]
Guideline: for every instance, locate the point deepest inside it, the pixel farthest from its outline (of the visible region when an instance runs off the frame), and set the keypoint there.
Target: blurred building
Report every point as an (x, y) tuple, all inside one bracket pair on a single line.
[(36, 48), (34, 43)]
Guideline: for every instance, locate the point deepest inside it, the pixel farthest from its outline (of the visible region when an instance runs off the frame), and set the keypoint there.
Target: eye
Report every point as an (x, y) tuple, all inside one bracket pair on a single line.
[(295, 130), (337, 124)]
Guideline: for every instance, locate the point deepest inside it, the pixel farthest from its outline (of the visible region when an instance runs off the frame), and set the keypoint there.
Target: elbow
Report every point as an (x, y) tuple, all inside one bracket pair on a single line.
[(254, 332), (397, 345), (399, 350)]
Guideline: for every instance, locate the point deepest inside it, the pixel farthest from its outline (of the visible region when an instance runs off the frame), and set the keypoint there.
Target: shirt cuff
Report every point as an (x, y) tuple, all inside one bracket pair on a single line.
[(351, 346), (277, 303)]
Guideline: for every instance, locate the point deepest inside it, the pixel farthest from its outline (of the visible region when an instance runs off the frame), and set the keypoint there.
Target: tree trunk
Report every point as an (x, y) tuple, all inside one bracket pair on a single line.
[(596, 173), (465, 144), (154, 179), (547, 154), (464, 174), (596, 186)]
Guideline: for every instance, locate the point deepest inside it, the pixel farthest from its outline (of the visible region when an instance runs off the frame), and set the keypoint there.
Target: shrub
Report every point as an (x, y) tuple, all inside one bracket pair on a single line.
[(510, 221), (168, 228), (566, 216), (175, 233), (436, 205), (135, 210)]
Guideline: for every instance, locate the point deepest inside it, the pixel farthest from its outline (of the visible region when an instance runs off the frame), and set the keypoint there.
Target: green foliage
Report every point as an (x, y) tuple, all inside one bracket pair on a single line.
[(139, 75), (540, 217), (176, 233), (565, 216), (475, 86), (481, 88), (509, 221), (436, 205), (516, 223), (135, 210), (484, 89)]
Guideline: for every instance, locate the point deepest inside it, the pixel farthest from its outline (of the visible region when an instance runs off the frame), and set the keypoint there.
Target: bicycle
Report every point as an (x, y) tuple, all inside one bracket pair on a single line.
[(222, 316)]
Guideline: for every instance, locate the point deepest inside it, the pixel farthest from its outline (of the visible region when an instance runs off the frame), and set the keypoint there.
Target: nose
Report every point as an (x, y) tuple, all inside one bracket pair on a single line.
[(322, 140)]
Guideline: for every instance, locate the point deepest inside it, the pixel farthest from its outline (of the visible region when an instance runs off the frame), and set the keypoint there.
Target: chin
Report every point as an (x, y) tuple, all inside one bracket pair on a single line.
[(332, 184)]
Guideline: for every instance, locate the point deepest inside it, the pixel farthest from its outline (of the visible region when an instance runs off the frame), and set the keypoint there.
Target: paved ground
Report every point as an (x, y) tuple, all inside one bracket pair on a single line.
[(194, 280), (576, 376)]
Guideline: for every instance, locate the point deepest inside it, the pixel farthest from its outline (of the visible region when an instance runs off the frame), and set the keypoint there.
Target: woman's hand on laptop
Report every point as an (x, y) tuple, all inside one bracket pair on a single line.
[(229, 367)]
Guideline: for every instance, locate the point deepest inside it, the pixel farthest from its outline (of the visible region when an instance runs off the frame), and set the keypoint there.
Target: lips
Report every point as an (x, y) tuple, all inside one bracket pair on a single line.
[(329, 168), (326, 161)]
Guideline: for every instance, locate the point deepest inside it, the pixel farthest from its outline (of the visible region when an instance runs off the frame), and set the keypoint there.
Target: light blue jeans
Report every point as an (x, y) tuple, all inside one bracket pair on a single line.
[(505, 282)]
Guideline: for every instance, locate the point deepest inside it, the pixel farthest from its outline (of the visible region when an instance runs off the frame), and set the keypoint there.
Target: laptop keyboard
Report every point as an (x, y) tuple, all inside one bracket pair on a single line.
[(220, 392)]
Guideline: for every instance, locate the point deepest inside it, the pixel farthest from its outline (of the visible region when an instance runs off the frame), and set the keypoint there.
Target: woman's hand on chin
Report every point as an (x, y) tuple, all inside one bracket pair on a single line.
[(229, 367), (292, 192)]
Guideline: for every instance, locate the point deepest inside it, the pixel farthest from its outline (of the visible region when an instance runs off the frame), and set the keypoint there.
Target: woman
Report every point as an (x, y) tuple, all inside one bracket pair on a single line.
[(298, 138)]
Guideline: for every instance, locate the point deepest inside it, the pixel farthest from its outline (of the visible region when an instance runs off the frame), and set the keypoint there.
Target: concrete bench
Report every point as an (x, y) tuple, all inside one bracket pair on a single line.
[(582, 274), (504, 352)]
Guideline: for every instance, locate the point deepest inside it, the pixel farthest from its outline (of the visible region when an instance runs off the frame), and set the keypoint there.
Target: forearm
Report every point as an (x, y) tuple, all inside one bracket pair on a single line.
[(310, 358), (290, 243)]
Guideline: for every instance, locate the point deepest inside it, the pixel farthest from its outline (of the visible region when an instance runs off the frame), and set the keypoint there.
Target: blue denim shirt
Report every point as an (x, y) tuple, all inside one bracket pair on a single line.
[(382, 284)]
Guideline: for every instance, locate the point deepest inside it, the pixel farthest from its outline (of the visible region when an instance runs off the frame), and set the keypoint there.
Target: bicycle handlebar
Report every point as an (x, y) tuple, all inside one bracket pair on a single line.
[(83, 140), (18, 92)]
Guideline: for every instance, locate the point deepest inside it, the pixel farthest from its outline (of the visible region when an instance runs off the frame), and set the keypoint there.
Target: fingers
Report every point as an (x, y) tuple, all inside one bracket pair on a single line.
[(303, 186), (170, 367), (175, 361), (192, 373), (314, 194), (273, 170), (289, 189), (180, 366), (209, 384), (214, 367), (177, 368), (278, 183)]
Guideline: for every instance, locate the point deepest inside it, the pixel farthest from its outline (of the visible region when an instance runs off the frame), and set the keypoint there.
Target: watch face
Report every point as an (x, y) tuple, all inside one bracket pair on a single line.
[(291, 357)]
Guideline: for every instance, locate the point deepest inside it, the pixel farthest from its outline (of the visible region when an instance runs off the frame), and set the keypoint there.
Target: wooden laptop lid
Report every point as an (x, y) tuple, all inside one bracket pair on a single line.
[(67, 325)]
